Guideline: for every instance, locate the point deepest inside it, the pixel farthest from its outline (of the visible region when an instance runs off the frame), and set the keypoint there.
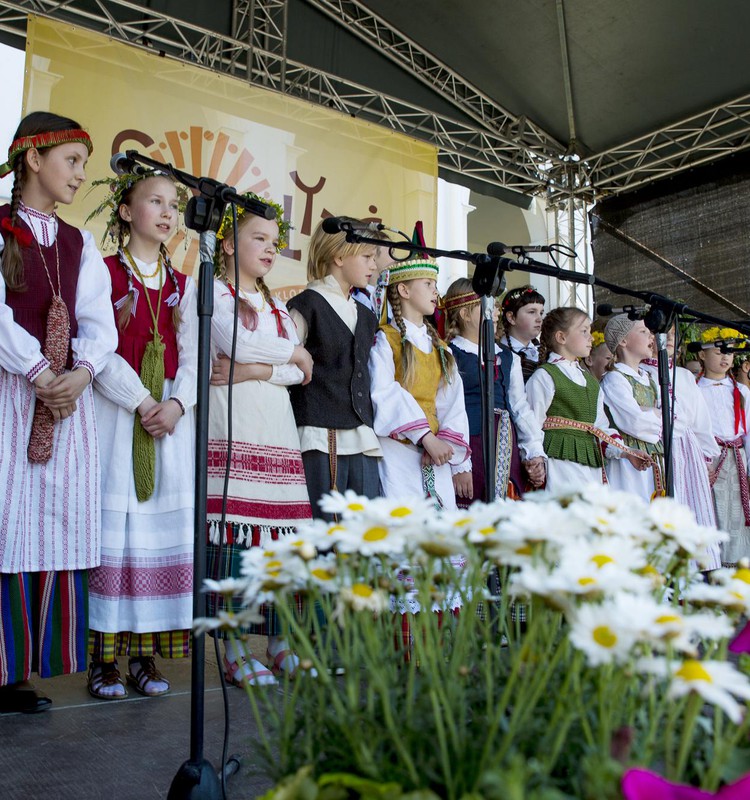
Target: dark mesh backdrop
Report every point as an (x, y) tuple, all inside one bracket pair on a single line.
[(699, 221)]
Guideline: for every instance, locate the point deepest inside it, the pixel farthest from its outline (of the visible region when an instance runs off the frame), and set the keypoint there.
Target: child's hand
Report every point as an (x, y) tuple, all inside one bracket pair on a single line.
[(463, 485), (162, 418), (537, 471), (303, 360), (640, 460), (146, 406), (242, 372), (440, 452), (63, 390)]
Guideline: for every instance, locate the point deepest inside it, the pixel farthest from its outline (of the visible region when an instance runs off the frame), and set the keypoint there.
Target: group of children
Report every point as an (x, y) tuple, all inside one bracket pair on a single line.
[(350, 387)]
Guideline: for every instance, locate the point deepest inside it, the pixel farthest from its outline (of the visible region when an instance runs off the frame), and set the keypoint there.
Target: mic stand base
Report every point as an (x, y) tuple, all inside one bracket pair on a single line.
[(195, 780)]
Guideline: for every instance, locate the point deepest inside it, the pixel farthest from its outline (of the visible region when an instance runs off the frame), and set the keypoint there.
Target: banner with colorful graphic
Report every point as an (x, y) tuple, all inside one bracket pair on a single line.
[(314, 161)]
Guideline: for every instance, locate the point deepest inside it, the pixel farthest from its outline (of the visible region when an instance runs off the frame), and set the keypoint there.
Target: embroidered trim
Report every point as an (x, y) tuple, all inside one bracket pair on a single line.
[(37, 369), (86, 365)]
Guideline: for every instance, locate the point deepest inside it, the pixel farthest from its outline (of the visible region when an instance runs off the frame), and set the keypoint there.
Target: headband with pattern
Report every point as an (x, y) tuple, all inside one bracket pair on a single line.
[(412, 270), (39, 141), (461, 300)]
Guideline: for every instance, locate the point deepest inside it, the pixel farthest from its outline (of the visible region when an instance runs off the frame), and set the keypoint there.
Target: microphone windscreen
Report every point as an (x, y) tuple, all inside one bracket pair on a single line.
[(496, 249), (331, 225), (604, 310)]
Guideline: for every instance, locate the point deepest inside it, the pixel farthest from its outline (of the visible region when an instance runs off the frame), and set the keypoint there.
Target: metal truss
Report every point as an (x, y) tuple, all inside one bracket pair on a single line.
[(708, 136), (568, 224), (487, 143), (462, 147), (444, 81)]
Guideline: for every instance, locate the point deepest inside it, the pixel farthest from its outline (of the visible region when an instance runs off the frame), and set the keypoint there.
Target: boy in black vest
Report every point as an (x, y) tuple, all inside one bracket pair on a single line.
[(334, 411)]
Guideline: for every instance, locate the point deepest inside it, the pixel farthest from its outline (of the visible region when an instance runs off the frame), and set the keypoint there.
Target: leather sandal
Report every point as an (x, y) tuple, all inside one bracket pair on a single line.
[(146, 680), (279, 668), (102, 676), (248, 676)]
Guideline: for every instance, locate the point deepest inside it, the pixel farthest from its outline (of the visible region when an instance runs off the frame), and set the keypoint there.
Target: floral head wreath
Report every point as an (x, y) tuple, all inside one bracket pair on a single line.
[(514, 295), (225, 229), (717, 334), (597, 339), (42, 140), (118, 187)]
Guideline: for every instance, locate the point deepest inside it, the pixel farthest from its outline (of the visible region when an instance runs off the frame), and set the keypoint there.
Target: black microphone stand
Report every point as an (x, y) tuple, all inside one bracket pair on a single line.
[(197, 779), (488, 282)]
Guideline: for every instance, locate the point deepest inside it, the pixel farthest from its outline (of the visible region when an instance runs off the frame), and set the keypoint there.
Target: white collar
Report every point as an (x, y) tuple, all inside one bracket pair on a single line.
[(462, 343)]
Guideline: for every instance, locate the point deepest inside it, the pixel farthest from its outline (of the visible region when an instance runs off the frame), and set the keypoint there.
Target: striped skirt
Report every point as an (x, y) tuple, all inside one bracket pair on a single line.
[(43, 624)]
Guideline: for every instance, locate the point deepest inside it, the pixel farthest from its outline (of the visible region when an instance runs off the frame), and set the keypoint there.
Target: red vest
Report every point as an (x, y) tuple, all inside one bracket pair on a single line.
[(133, 339), (30, 307)]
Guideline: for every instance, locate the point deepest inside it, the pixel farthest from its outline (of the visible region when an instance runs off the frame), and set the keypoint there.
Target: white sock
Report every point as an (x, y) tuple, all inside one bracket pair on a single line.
[(247, 665)]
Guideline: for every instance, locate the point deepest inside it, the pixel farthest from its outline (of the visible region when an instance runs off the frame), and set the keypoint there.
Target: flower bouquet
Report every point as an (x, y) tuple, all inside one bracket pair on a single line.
[(566, 646)]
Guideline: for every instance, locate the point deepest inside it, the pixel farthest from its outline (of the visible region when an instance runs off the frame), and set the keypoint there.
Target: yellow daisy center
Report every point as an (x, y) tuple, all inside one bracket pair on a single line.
[(524, 551), (666, 619), (743, 575), (586, 581), (273, 564), (355, 506), (604, 636), (693, 671), (362, 590), (601, 560), (322, 574), (375, 534), (335, 529), (401, 511), (459, 523), (487, 531)]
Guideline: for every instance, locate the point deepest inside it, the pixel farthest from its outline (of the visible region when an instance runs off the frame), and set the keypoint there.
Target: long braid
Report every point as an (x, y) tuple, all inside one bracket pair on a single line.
[(176, 313), (447, 361), (12, 256), (264, 290), (125, 305), (408, 359)]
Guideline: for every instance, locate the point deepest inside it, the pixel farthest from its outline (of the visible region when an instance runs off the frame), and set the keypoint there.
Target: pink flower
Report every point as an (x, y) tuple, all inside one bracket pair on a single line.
[(741, 643), (640, 784)]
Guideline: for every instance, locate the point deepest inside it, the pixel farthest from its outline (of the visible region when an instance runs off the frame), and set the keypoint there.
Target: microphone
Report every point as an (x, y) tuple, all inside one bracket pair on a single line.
[(634, 312), (120, 164), (722, 344), (500, 249), (347, 224)]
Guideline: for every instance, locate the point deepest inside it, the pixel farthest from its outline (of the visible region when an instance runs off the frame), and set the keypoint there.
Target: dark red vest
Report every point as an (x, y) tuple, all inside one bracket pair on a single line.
[(133, 339), (30, 307)]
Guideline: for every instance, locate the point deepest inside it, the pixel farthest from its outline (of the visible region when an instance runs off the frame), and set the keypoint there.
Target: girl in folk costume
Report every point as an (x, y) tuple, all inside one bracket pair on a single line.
[(522, 314), (518, 435), (632, 402), (141, 595), (417, 392), (267, 495), (728, 401), (693, 445), (570, 408), (599, 359), (56, 333), (334, 411)]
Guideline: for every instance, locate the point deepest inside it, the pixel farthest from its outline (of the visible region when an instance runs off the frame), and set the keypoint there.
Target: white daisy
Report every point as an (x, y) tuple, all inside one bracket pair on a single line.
[(596, 631), (346, 505), (714, 681)]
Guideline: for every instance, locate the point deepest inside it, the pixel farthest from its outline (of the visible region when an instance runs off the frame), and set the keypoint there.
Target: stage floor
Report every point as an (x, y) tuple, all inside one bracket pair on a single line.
[(126, 749)]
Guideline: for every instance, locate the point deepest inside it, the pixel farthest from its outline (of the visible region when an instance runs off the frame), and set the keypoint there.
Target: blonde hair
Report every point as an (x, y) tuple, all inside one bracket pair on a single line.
[(408, 359), (122, 229), (248, 314), (325, 247), (559, 319)]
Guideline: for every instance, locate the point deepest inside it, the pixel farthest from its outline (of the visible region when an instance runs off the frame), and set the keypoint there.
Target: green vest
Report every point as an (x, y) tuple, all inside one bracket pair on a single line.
[(577, 403), (645, 396)]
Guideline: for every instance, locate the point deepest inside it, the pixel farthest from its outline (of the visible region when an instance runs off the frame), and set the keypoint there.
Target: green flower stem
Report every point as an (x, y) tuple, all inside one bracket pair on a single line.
[(722, 750), (694, 705)]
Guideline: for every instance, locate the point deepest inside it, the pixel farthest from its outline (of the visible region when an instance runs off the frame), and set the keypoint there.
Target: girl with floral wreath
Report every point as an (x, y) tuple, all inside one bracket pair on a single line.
[(141, 595)]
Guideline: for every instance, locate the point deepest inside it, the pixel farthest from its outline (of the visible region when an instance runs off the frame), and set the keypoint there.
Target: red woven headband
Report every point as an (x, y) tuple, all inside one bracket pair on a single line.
[(42, 140)]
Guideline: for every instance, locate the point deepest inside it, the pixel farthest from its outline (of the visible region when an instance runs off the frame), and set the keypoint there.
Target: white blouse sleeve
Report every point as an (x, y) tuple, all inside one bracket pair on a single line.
[(397, 413), (627, 415), (540, 389), (185, 387), (120, 383), (452, 420), (287, 374), (530, 435), (252, 347), (96, 340), (691, 402)]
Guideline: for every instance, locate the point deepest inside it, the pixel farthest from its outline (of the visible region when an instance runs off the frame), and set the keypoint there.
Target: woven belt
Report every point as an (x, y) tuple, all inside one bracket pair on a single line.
[(736, 445)]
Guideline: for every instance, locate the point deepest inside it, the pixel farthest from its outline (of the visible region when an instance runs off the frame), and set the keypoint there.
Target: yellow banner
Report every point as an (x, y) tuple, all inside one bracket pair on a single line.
[(313, 161)]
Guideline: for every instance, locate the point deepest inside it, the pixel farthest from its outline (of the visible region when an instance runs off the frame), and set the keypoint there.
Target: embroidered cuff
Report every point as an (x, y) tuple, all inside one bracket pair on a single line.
[(179, 403), (413, 431), (85, 365), (36, 370)]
